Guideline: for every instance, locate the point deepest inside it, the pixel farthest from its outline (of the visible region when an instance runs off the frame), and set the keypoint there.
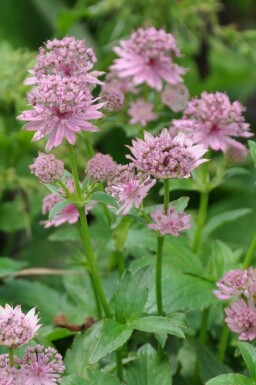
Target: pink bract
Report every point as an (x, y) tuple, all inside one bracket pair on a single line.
[(172, 222)]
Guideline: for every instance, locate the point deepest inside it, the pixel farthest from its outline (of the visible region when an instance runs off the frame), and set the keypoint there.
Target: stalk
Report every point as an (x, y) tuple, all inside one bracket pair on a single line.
[(250, 254), (11, 360), (202, 214)]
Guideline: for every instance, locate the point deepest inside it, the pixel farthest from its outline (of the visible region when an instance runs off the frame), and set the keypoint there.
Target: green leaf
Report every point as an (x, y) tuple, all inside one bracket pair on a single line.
[(149, 369), (209, 365), (73, 380), (220, 219), (13, 215), (10, 266), (230, 379), (97, 377), (182, 184), (155, 324), (102, 197), (180, 204), (252, 146), (112, 335), (249, 356), (131, 295), (58, 207)]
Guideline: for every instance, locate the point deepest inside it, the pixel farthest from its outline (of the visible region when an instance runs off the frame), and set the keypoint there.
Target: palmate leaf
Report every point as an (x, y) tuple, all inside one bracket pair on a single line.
[(230, 379)]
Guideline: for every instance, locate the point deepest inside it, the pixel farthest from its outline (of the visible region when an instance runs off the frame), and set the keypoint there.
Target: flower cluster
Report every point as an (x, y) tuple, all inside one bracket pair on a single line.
[(166, 157), (141, 112), (239, 285), (213, 121), (175, 97), (47, 168), (147, 57), (39, 365), (172, 222), (62, 100), (101, 167)]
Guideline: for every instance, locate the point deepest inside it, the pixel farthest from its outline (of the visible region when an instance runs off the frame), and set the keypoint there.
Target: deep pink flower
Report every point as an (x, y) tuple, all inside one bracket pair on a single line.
[(166, 157), (47, 168), (101, 167), (41, 366), (141, 112), (241, 319), (172, 222), (213, 121), (66, 57), (175, 96), (146, 57), (232, 284), (61, 108), (17, 328)]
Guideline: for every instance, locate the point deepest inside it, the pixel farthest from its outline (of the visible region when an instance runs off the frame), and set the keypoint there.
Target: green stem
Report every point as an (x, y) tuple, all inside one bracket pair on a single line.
[(72, 158), (202, 214), (64, 187), (11, 360), (166, 195), (204, 323), (159, 258), (119, 365), (121, 262), (223, 343), (250, 254), (89, 146)]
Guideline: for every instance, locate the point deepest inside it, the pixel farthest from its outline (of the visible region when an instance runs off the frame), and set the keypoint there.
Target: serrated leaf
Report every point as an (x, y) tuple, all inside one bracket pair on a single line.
[(58, 207), (131, 294), (149, 369), (249, 356), (157, 324), (112, 335), (230, 379), (102, 197)]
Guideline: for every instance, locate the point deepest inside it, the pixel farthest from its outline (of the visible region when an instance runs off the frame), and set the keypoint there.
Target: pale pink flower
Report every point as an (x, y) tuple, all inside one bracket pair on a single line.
[(241, 319), (146, 57), (172, 222), (101, 167), (175, 96), (61, 108), (128, 188), (213, 121), (17, 328), (47, 168), (141, 112), (66, 57), (41, 366), (166, 157), (112, 96), (8, 375), (237, 154), (125, 85), (232, 284)]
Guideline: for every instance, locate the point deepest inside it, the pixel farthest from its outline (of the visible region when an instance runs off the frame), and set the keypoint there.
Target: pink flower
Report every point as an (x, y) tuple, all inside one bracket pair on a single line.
[(213, 120), (172, 222), (241, 319), (101, 167), (146, 57), (175, 96), (125, 85), (41, 366), (232, 284), (166, 157), (47, 168), (17, 328), (112, 96), (141, 112), (128, 188), (66, 57), (8, 375), (61, 107)]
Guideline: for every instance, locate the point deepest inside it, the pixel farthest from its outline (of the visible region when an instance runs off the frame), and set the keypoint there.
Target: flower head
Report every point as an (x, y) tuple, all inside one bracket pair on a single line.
[(112, 96), (140, 112), (172, 222), (61, 107), (66, 57), (17, 328), (232, 284), (175, 96), (47, 168), (101, 167), (41, 366), (241, 319), (128, 188), (8, 374), (146, 57), (213, 121), (166, 157)]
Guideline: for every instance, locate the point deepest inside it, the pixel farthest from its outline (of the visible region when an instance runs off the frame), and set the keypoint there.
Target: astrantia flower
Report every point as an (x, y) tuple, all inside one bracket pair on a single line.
[(61, 107), (241, 319), (172, 222), (140, 112), (47, 168), (146, 57), (41, 366), (101, 167), (129, 189), (17, 328), (66, 57), (213, 121), (112, 96), (166, 157), (8, 375), (175, 96), (232, 284)]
